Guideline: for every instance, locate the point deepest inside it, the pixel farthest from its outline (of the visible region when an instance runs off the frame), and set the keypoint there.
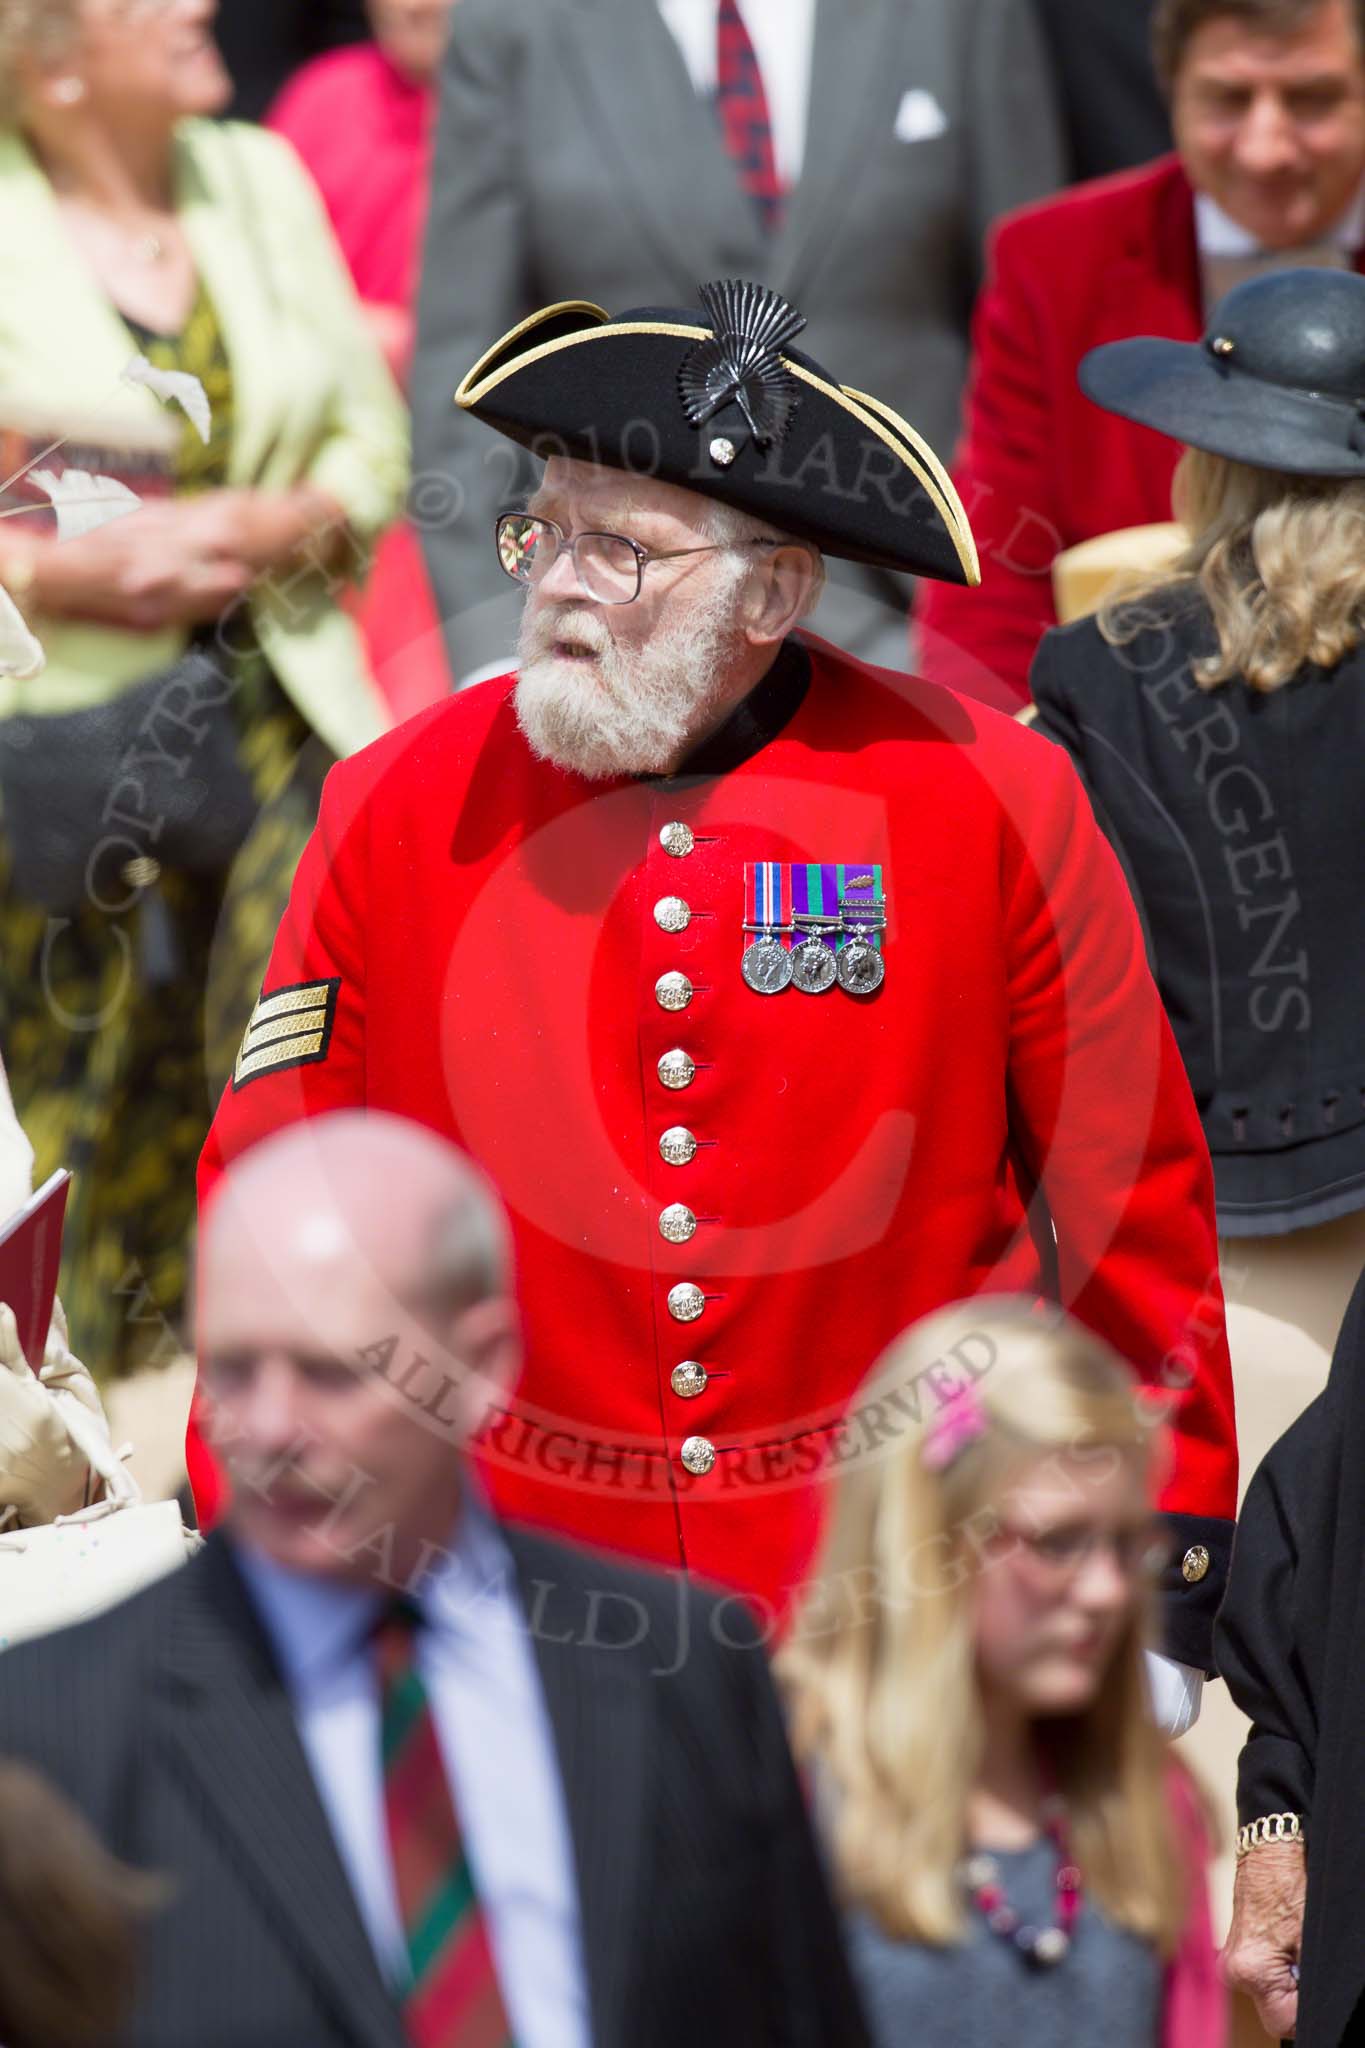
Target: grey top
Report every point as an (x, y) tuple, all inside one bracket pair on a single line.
[(982, 1993)]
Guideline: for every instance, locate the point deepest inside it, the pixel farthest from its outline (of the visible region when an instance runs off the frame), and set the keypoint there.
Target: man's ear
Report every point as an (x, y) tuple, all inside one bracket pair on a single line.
[(783, 588), (485, 1343)]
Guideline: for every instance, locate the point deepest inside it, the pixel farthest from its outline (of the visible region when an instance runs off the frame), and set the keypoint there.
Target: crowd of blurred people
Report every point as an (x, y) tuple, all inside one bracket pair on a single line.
[(298, 300)]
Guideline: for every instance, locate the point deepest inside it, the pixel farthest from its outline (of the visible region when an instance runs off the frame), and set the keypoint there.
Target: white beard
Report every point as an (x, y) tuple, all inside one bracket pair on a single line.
[(626, 714)]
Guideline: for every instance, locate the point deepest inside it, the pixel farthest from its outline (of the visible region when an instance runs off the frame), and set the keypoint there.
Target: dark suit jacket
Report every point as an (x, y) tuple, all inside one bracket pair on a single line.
[(1237, 817), (704, 1912), (1113, 108), (265, 41), (575, 160), (1291, 1644)]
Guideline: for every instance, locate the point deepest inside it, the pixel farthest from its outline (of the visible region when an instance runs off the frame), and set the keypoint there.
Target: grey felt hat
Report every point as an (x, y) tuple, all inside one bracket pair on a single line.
[(1278, 380)]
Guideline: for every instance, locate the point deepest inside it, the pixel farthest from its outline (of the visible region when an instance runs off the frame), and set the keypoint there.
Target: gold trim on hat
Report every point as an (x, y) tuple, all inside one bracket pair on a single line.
[(533, 320), (953, 509), (470, 393), (924, 465)]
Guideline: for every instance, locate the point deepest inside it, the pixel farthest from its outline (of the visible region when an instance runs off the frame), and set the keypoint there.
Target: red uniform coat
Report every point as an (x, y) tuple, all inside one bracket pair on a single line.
[(471, 942), (1039, 466)]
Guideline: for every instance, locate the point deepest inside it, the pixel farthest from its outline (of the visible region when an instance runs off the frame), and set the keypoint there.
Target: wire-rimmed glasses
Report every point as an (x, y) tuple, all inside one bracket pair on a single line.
[(610, 567)]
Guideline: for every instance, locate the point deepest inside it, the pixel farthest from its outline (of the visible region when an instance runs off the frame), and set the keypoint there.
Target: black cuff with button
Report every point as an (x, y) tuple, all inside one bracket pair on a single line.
[(1192, 1583)]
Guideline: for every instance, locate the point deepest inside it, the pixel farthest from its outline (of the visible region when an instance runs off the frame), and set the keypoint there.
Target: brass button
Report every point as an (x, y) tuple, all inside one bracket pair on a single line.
[(677, 1146), (671, 914), (699, 1455), (688, 1379), (676, 838), (677, 1223), (677, 1069), (673, 991), (1195, 1564), (685, 1302), (142, 873)]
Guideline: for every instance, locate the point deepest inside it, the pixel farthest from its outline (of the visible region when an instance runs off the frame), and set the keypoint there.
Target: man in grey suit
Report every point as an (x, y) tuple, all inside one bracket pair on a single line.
[(580, 155)]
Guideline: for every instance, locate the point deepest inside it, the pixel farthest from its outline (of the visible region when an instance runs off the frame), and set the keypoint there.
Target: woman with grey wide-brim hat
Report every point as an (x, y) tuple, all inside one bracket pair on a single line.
[(1217, 715)]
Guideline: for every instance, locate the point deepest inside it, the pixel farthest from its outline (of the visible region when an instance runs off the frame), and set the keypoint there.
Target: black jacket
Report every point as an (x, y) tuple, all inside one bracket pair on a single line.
[(1290, 1641), (1238, 818), (1113, 108), (264, 42), (704, 1910)]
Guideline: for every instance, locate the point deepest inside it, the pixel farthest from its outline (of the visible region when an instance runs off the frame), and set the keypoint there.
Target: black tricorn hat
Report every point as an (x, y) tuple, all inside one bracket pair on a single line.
[(1278, 381), (718, 401)]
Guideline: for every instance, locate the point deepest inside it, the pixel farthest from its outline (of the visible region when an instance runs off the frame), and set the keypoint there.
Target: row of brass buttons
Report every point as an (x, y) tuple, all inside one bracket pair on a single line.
[(673, 991)]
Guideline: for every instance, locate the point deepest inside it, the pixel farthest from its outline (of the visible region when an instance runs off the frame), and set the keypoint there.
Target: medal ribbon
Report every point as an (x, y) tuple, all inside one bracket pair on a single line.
[(819, 887), (767, 896), (864, 885)]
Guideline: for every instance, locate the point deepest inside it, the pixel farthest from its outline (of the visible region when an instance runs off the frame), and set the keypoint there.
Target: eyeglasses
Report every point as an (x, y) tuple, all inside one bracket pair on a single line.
[(1060, 1554), (610, 567)]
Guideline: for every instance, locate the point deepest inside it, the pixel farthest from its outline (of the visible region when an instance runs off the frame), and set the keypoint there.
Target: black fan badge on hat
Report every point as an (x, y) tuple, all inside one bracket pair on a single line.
[(740, 364)]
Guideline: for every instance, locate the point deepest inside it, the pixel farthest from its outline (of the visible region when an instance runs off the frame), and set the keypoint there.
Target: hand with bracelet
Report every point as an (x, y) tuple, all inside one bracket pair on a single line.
[(1261, 1955), (170, 564)]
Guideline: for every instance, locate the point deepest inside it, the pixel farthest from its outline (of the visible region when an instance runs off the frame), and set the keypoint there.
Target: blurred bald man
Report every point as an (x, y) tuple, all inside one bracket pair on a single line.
[(417, 1777)]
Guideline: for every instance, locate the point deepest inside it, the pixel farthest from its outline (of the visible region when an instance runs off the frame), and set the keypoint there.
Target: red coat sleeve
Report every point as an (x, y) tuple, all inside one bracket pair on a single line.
[(304, 1048), (981, 642), (1104, 1116), (315, 981)]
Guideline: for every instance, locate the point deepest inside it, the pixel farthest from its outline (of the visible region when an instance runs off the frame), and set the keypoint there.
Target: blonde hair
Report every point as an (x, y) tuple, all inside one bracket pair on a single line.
[(880, 1668), (39, 31), (1279, 560)]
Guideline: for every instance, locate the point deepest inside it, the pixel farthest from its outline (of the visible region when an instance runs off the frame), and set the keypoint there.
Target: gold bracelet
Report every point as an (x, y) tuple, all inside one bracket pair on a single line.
[(1272, 1827)]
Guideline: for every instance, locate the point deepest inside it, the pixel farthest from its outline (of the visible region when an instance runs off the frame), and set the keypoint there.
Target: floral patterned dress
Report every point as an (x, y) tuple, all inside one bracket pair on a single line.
[(120, 1031)]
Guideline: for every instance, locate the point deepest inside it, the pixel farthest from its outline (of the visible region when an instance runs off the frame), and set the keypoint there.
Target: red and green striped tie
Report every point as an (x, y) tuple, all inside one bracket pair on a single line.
[(453, 1999)]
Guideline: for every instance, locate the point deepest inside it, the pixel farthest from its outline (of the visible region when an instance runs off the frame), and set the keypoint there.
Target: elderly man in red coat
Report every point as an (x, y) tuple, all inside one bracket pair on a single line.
[(784, 999), (1268, 108)]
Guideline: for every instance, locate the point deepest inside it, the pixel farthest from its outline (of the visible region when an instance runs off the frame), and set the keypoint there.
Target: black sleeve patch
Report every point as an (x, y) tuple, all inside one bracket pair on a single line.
[(290, 1027)]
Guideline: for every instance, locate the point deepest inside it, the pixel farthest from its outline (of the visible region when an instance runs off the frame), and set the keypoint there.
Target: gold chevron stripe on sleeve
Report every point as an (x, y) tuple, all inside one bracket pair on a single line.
[(284, 1052), (290, 1027), (289, 1001)]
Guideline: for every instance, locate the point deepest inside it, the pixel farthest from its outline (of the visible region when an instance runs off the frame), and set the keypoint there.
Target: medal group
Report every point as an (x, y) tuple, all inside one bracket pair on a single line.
[(833, 914)]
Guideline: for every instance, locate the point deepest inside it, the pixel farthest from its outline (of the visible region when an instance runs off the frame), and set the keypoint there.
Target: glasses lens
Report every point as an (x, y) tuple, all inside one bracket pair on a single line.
[(525, 545), (608, 567)]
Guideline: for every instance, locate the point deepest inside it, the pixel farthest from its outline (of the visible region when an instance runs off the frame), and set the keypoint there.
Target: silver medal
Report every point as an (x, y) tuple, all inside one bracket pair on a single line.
[(860, 968), (766, 966), (813, 968)]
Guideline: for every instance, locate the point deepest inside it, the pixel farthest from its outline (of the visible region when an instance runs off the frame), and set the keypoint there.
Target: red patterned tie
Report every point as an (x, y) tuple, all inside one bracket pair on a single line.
[(453, 1999), (742, 105)]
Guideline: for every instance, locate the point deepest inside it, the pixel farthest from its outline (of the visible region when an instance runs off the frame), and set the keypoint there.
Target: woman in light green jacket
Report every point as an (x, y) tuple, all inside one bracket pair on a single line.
[(132, 223)]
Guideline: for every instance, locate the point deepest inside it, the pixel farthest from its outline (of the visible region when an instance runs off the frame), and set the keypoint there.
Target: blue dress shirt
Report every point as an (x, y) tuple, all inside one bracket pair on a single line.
[(477, 1661)]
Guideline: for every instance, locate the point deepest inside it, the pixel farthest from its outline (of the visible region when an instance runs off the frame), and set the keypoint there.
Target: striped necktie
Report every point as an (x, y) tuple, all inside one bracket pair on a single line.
[(742, 107), (452, 1999)]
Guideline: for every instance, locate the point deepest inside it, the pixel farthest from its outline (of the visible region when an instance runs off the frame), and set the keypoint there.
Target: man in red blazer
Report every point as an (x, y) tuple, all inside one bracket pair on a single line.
[(783, 999), (1268, 109)]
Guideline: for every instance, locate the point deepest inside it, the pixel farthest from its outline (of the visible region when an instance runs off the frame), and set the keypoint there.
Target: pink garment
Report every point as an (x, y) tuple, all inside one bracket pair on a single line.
[(1195, 2004), (365, 133)]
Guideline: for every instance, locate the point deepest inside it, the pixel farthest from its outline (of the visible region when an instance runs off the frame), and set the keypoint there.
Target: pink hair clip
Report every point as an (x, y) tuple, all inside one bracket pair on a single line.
[(959, 1422)]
